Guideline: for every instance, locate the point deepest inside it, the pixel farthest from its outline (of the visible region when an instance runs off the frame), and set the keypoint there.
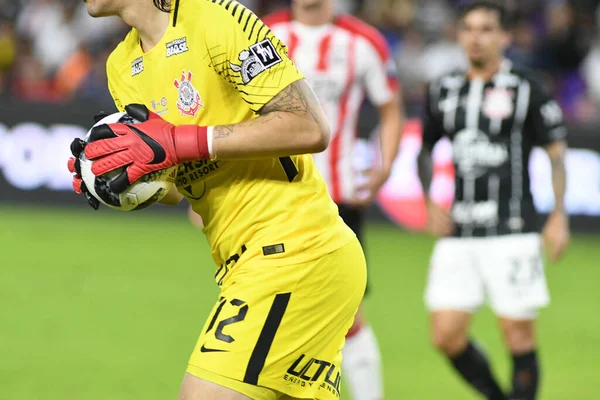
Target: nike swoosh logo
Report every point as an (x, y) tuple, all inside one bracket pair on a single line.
[(204, 349), (160, 154)]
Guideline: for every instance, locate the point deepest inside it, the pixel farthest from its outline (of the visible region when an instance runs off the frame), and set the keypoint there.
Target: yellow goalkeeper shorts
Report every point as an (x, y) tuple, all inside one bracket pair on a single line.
[(280, 331)]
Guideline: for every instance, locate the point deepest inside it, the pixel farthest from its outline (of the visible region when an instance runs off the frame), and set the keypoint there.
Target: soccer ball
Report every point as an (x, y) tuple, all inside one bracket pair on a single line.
[(148, 190)]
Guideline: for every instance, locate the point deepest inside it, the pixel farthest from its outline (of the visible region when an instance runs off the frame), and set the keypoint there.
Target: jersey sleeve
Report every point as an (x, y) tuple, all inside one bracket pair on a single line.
[(380, 72), (116, 87), (432, 125), (113, 85), (545, 117), (115, 97), (246, 53)]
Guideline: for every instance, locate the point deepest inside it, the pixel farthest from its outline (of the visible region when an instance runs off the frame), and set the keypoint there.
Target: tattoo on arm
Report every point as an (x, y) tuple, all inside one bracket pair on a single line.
[(425, 168), (222, 131), (559, 177), (297, 98)]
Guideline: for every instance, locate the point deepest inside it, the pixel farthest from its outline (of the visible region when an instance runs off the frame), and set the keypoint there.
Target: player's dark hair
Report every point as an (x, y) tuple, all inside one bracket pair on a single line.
[(491, 5), (163, 5)]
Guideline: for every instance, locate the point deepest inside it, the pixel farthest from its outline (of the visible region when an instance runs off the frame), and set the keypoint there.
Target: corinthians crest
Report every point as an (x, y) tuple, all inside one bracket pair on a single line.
[(188, 98), (498, 103), (256, 60)]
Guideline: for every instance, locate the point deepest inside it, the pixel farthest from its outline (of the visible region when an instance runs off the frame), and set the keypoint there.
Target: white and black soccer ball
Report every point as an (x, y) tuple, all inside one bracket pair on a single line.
[(148, 190)]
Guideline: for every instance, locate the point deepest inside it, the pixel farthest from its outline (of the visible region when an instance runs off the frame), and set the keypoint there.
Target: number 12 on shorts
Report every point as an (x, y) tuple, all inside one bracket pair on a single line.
[(219, 332), (265, 340)]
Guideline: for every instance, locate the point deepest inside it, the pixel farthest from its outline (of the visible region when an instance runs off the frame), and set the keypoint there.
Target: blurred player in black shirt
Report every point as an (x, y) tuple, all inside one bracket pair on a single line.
[(494, 114)]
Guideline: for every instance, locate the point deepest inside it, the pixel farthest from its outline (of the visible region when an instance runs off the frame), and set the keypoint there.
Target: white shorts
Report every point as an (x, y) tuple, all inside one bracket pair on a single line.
[(509, 270)]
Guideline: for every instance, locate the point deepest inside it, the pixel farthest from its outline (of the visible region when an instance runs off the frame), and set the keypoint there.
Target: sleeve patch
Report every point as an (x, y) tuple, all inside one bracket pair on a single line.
[(256, 60), (552, 113)]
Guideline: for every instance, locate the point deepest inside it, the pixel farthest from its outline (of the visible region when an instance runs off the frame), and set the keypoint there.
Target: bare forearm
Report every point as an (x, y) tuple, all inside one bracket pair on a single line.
[(425, 169), (559, 176), (172, 198), (292, 123), (392, 124), (275, 134)]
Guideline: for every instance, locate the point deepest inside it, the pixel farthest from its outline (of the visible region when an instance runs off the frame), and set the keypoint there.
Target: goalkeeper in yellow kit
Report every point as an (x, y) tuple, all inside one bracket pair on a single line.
[(218, 96)]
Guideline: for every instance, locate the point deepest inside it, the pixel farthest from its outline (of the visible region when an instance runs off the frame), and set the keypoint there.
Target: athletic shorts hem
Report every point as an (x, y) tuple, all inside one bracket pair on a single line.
[(522, 315), (466, 309), (529, 314)]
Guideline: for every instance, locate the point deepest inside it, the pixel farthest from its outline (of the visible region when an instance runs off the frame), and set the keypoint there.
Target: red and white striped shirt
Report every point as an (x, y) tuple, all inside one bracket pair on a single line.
[(343, 61)]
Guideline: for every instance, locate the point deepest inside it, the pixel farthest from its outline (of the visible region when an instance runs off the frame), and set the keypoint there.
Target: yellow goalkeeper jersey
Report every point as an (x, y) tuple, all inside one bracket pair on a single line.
[(219, 64)]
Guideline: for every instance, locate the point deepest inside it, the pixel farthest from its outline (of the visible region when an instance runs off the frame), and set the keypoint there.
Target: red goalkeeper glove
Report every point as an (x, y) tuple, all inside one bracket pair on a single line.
[(149, 146), (79, 185), (73, 165)]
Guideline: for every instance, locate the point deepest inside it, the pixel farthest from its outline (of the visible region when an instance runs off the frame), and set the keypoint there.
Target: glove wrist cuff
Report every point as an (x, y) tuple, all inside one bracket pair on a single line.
[(192, 142)]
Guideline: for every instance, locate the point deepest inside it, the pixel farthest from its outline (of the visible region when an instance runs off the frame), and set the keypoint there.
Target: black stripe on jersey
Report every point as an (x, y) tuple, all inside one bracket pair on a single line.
[(279, 45), (221, 2), (289, 167), (251, 104), (175, 13), (235, 9), (259, 31), (270, 38), (247, 20), (241, 14), (228, 4), (265, 340), (253, 26)]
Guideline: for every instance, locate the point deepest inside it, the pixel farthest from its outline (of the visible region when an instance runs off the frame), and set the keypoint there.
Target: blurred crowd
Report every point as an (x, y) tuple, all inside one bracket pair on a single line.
[(52, 51)]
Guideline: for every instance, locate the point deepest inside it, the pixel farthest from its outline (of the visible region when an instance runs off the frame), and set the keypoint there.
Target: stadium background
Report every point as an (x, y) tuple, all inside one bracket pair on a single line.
[(108, 306)]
